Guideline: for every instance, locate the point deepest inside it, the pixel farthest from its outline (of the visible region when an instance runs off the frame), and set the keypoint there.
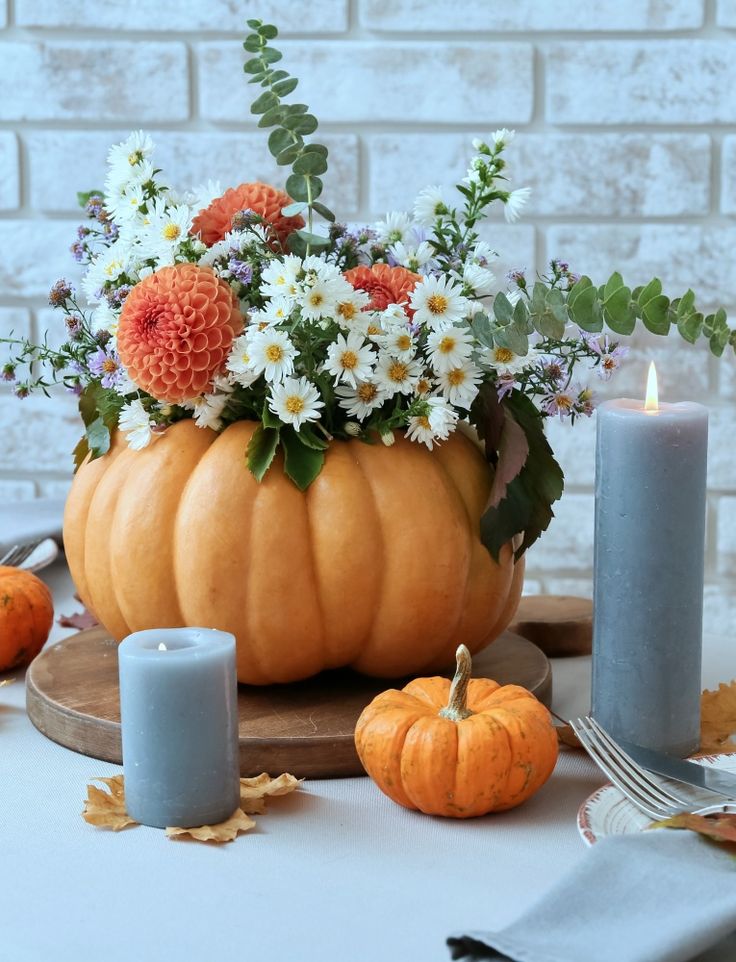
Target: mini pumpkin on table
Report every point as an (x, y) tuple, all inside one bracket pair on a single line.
[(26, 616), (459, 749)]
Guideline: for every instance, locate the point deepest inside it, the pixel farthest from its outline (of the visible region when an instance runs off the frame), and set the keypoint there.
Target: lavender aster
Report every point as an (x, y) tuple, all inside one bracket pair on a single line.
[(60, 293), (240, 270), (106, 365)]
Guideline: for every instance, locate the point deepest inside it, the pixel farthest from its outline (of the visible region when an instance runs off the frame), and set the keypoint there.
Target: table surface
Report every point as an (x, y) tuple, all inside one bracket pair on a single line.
[(335, 871)]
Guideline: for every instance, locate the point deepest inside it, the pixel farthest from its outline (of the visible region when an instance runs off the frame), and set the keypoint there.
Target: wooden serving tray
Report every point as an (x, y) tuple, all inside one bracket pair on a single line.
[(304, 728)]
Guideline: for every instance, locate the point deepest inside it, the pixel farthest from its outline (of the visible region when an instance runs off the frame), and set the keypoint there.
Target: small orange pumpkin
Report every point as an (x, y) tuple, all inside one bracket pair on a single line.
[(459, 749), (26, 616)]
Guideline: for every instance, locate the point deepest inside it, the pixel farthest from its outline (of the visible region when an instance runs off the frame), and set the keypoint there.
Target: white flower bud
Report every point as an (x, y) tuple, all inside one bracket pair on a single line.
[(388, 438), (353, 429)]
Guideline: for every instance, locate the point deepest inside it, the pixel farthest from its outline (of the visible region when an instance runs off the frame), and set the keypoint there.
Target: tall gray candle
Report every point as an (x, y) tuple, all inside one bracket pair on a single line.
[(179, 719), (648, 580)]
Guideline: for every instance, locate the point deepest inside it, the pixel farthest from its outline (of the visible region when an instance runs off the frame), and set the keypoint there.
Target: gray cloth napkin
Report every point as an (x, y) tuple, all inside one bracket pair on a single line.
[(25, 521), (660, 896)]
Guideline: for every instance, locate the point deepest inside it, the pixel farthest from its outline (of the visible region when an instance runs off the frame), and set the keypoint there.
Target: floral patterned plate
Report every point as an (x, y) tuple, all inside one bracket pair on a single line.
[(607, 812)]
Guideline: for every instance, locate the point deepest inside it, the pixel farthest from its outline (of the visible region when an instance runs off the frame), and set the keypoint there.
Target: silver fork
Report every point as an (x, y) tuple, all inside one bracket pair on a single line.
[(635, 782), (19, 553)]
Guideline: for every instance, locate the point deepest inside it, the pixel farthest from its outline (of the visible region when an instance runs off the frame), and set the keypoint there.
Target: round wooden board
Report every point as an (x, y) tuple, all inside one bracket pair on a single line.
[(304, 728)]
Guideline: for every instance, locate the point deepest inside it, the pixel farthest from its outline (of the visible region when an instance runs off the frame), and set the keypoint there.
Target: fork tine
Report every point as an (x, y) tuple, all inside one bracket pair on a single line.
[(635, 770), (15, 557), (619, 778)]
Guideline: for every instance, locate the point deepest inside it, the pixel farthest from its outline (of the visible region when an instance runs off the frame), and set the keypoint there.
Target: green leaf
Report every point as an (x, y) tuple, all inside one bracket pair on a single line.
[(301, 463), (88, 403), (253, 43), (310, 163), (655, 314), (272, 117), (315, 149), (308, 436), (691, 327), (80, 452), (513, 338), (302, 124), (291, 210), (254, 24), (98, 438), (522, 321), (289, 154), (83, 196), (296, 187), (269, 419), (480, 327), (284, 87), (527, 506), (614, 283), (324, 211), (652, 289), (267, 101), (279, 140), (686, 303), (314, 240), (253, 65), (267, 30), (718, 341), (261, 450), (270, 55), (503, 308), (583, 306)]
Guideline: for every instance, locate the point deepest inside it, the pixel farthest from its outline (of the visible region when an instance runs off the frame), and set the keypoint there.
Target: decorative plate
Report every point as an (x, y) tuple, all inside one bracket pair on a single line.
[(608, 812), (44, 555)]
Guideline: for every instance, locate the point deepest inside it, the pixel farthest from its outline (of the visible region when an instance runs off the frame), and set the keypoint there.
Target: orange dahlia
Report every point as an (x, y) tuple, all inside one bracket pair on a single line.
[(215, 221), (386, 285), (176, 330)]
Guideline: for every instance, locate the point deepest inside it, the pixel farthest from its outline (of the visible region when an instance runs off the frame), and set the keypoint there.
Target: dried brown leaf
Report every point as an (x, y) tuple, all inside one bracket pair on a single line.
[(79, 620), (107, 809), (224, 832), (721, 828), (718, 719), (566, 736), (254, 791)]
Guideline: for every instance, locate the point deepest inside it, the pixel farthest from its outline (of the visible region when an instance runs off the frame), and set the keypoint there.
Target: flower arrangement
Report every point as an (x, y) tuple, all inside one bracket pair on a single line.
[(223, 306)]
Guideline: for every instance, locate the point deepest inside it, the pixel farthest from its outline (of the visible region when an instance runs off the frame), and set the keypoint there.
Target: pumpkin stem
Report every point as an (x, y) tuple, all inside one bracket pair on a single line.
[(457, 705)]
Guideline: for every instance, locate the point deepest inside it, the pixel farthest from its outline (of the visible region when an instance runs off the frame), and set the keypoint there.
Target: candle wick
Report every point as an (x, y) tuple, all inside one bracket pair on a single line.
[(162, 647)]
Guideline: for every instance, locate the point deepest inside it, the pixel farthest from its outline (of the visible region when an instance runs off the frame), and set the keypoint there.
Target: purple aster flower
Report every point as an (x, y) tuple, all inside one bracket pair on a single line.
[(75, 388), (560, 402), (244, 218), (610, 356), (79, 251), (95, 206), (116, 296), (74, 325), (83, 231), (22, 391), (505, 385), (60, 293), (517, 277), (240, 270), (585, 403), (8, 372), (106, 366), (553, 370)]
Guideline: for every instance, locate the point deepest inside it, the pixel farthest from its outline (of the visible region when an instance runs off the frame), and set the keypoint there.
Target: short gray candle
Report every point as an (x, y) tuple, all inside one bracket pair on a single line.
[(179, 719), (648, 581)]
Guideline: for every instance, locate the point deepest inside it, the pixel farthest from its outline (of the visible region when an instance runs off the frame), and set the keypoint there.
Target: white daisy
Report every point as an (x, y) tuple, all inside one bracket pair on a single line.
[(433, 426), (449, 348), (349, 309), (412, 257), (281, 275), (516, 201), (392, 317), (482, 253), (295, 400), (124, 205), (203, 194), (108, 266), (394, 228), (430, 205), (272, 354), (126, 159), (104, 318), (318, 300), (276, 310), (480, 280), (350, 359), (504, 361), (239, 362), (503, 137), (395, 376), (361, 399), (398, 342), (438, 302), (423, 387), (166, 228), (460, 384), (135, 423), (207, 410)]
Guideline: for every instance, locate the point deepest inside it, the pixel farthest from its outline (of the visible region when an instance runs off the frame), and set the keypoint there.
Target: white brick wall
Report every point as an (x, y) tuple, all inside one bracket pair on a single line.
[(627, 123)]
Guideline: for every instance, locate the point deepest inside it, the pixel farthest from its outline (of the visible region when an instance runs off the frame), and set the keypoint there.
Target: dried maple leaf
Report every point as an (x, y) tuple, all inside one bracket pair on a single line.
[(224, 832), (566, 736), (79, 620), (718, 719), (721, 828), (107, 809), (254, 791)]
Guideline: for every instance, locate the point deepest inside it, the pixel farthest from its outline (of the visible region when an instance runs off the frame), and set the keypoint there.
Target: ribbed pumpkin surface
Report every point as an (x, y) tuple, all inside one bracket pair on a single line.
[(378, 565)]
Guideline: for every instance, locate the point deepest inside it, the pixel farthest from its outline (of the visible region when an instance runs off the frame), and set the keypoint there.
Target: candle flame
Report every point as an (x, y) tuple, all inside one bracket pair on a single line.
[(162, 647), (652, 399)]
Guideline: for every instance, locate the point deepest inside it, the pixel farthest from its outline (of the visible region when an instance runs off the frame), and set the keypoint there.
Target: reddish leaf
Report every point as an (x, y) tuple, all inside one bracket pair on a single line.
[(721, 828), (79, 620), (513, 450)]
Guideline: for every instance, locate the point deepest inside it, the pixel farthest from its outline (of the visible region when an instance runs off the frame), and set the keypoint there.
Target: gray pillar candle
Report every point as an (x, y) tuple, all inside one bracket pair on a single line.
[(179, 719), (648, 577)]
